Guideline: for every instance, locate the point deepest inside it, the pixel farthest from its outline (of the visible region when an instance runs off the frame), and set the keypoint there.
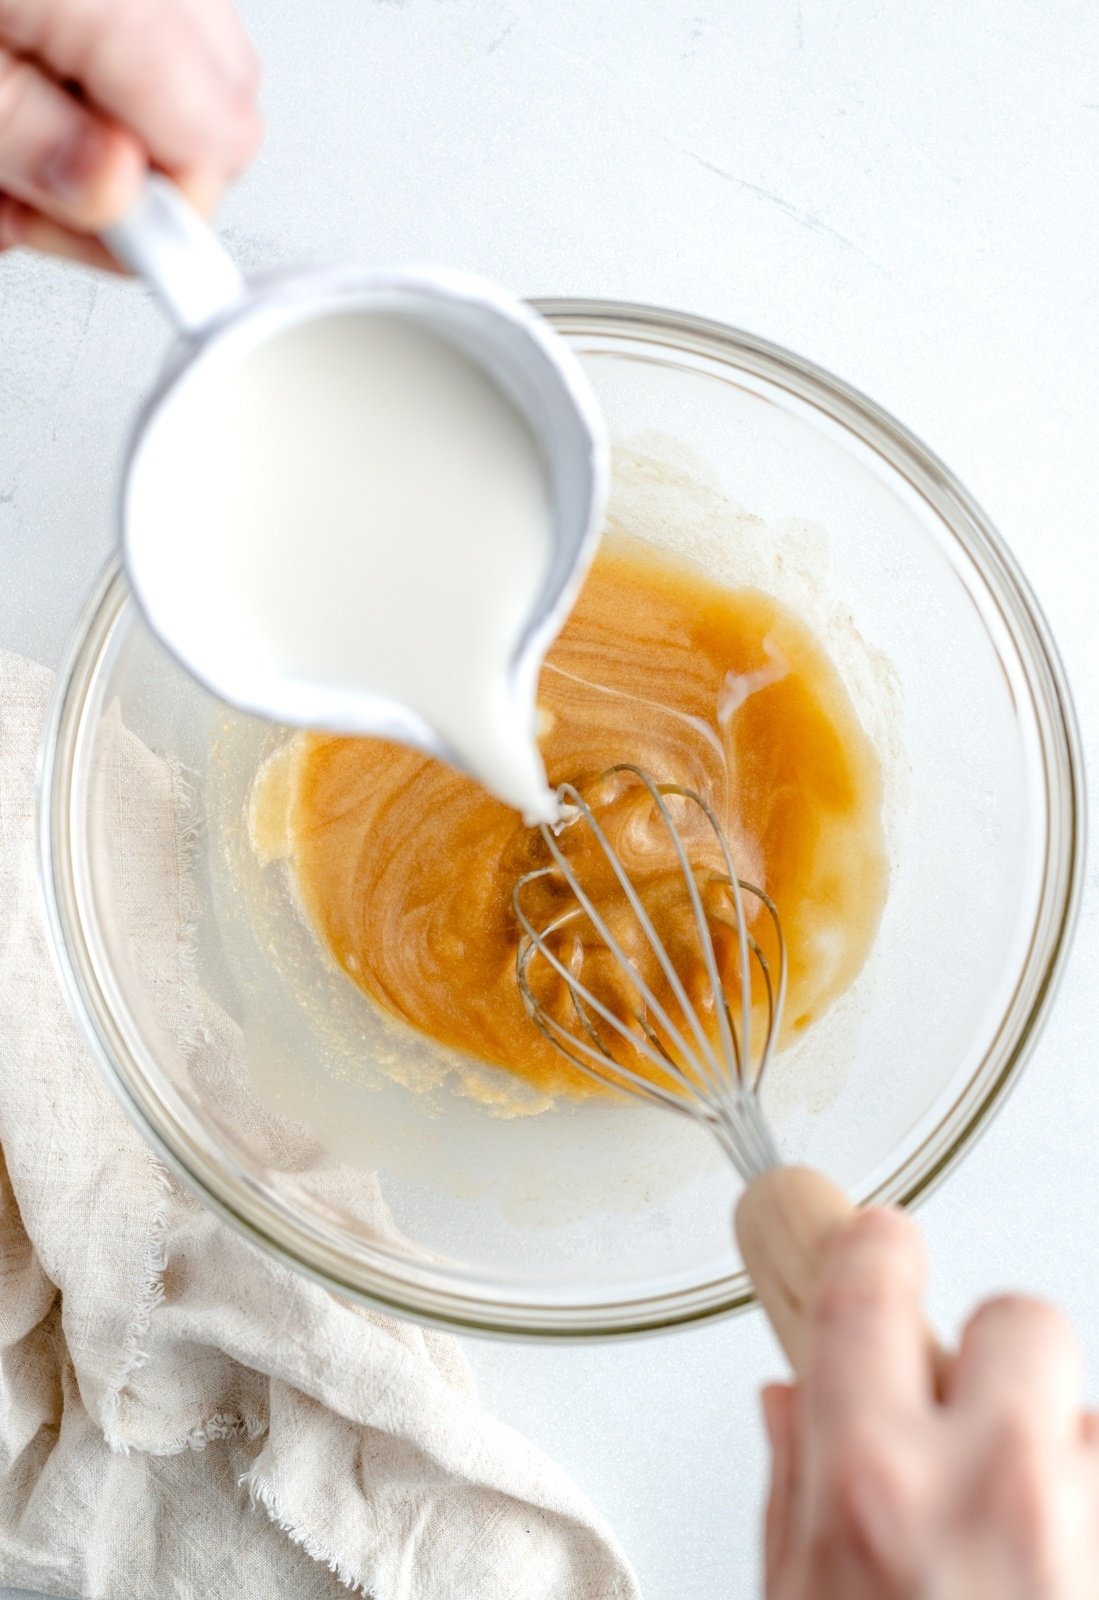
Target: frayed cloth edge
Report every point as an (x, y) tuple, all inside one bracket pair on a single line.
[(133, 1354), (261, 1494), (150, 1294)]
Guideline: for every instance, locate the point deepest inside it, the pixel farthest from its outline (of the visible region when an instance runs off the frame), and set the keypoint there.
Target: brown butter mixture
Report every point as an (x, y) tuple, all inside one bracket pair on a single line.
[(406, 868)]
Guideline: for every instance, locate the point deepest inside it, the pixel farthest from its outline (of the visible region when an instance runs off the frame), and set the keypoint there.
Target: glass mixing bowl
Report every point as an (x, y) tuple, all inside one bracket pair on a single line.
[(255, 1068)]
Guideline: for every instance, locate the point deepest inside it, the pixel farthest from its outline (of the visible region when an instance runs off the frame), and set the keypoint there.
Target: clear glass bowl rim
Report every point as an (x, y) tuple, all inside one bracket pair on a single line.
[(233, 1195)]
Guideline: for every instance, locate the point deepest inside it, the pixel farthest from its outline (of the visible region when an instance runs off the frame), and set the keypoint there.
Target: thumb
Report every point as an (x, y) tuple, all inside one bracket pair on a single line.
[(57, 156)]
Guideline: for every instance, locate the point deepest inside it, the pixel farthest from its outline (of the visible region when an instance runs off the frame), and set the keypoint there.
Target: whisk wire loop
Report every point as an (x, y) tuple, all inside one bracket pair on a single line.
[(657, 793), (712, 1081), (536, 943), (570, 795)]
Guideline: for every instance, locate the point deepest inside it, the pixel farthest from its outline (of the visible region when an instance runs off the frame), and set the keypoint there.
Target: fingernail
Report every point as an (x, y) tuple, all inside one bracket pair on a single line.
[(72, 166)]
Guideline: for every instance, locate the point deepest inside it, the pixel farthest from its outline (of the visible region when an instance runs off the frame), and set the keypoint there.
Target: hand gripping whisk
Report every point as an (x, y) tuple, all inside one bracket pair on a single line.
[(641, 963)]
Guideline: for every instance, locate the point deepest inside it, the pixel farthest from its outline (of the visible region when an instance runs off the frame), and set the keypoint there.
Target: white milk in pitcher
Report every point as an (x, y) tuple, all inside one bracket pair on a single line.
[(354, 504)]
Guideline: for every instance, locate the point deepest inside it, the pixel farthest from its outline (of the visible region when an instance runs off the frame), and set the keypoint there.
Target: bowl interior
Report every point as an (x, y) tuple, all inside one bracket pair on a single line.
[(259, 1070)]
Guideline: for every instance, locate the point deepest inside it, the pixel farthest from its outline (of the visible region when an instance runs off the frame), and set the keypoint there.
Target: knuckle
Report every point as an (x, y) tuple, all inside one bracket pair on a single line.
[(887, 1228), (878, 1254), (1022, 1311), (97, 55), (69, 34), (1027, 1322)]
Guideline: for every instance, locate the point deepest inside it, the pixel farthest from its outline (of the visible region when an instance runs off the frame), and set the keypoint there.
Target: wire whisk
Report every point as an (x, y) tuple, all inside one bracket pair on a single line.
[(630, 981)]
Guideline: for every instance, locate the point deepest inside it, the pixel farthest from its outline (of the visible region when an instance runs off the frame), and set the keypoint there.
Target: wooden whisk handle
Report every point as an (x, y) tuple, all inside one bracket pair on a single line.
[(784, 1222)]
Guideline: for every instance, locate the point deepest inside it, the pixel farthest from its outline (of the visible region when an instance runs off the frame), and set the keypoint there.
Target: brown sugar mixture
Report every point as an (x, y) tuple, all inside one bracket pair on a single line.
[(406, 868)]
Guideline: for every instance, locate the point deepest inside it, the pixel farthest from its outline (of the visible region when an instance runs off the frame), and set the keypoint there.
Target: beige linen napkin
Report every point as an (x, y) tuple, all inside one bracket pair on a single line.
[(181, 1416)]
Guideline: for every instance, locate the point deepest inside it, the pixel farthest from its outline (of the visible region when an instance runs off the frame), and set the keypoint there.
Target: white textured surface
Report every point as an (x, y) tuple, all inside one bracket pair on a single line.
[(905, 194)]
